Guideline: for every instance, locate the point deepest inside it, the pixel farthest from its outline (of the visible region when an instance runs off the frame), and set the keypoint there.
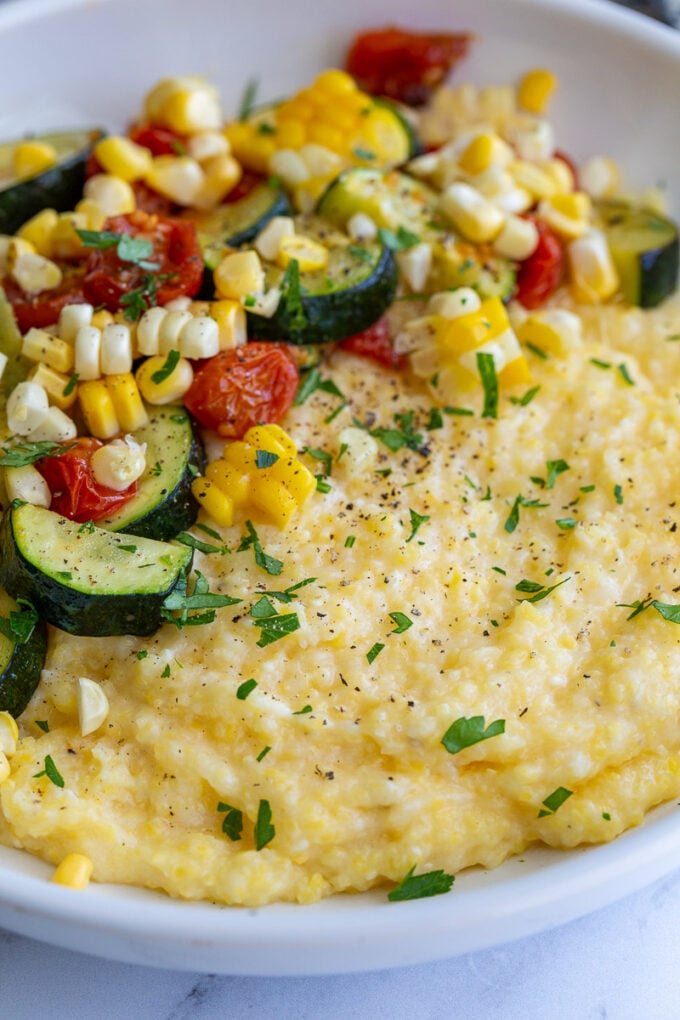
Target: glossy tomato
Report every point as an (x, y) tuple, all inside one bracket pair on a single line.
[(160, 141), (75, 492), (403, 65), (539, 276), (176, 257), (41, 310), (253, 384), (376, 343)]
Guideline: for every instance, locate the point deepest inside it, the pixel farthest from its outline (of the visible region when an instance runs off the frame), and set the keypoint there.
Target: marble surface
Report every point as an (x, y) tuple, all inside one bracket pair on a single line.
[(620, 963)]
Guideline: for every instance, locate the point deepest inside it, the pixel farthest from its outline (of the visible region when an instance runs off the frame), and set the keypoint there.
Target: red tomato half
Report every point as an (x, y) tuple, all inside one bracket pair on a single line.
[(253, 384), (375, 343), (75, 492), (539, 276), (403, 65), (160, 141), (176, 252), (41, 310)]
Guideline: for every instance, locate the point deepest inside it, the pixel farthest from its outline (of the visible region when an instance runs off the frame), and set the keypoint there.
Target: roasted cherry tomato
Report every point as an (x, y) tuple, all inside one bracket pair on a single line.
[(75, 492), (160, 141), (539, 276), (176, 255), (376, 343), (402, 65), (253, 384), (41, 310), (245, 186)]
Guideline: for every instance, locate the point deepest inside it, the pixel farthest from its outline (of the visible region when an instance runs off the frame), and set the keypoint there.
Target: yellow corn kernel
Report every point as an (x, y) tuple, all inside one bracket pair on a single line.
[(75, 871), (123, 158), (216, 503), (274, 499), (478, 155), (98, 409), (9, 733), (309, 254), (553, 330), (240, 455), (127, 401), (467, 332), (190, 110), (295, 476), (384, 136), (250, 148), (65, 241), (55, 384), (291, 134), (327, 135), (271, 437), (535, 90), (230, 317), (238, 275), (32, 157), (179, 178), (101, 319), (39, 345), (38, 231), (229, 480), (532, 178), (560, 174), (335, 82), (515, 373), (298, 108), (568, 215), (92, 213), (593, 274), (221, 174), (164, 389), (5, 768)]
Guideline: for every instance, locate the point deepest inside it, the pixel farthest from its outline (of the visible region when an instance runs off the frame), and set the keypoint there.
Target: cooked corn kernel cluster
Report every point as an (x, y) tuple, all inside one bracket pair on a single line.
[(262, 472)]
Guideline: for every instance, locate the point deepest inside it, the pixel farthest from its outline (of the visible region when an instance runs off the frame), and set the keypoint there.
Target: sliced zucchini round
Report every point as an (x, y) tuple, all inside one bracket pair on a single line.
[(86, 580), (644, 247), (59, 187), (457, 263), (351, 293), (391, 198), (21, 658), (235, 223), (163, 505), (401, 114)]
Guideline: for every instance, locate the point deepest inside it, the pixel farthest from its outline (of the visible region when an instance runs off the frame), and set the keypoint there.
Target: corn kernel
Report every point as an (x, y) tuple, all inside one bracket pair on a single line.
[(9, 733), (230, 317), (98, 409), (515, 373), (32, 157), (167, 389), (267, 435), (39, 345), (75, 871), (38, 231), (291, 134), (535, 90), (238, 275), (335, 82), (309, 254), (554, 330), (123, 158), (56, 427), (35, 273), (274, 499), (229, 480), (179, 178), (478, 155), (93, 705), (471, 213), (59, 387), (593, 274), (517, 240), (27, 484), (94, 216), (66, 243), (532, 178), (221, 175), (568, 215), (127, 401), (114, 196), (216, 503), (5, 769)]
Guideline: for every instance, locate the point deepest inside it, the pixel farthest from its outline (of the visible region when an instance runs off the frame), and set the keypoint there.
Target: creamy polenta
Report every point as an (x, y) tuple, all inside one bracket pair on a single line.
[(410, 619)]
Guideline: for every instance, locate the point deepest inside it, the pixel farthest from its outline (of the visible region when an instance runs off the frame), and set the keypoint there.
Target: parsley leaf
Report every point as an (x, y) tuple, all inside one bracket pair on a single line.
[(200, 599), (292, 296), (168, 367), (399, 240), (539, 590), (246, 688), (416, 887), (486, 366), (264, 830), (554, 801), (555, 467), (527, 398), (466, 732), (416, 521), (20, 625), (232, 825), (313, 381), (22, 454), (265, 459), (52, 772), (513, 517), (373, 653), (268, 563), (273, 626), (402, 622)]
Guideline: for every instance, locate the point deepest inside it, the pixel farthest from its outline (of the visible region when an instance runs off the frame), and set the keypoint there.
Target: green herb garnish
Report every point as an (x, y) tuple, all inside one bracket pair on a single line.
[(246, 688), (416, 887), (554, 801), (486, 366), (232, 824), (467, 732), (52, 772), (268, 563), (264, 830)]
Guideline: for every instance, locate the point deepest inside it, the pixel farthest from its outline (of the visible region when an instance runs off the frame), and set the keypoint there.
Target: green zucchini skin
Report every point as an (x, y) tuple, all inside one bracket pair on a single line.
[(164, 504), (349, 295), (645, 250), (20, 662), (80, 579), (59, 187)]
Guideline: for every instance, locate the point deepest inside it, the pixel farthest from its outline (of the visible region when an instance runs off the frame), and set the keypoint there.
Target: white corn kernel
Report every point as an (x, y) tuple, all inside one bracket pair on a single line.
[(517, 240), (289, 166), (415, 264), (452, 304), (179, 304), (361, 449), (116, 354), (361, 227), (170, 329), (148, 330), (425, 165), (119, 463), (179, 178), (27, 407), (113, 195), (71, 318), (87, 348), (205, 144), (532, 138), (56, 427), (504, 349), (199, 338), (532, 178), (10, 249), (593, 274), (9, 733), (268, 241), (26, 483), (61, 389), (35, 273), (471, 213), (266, 304), (320, 161), (514, 201), (221, 174), (93, 705), (600, 177)]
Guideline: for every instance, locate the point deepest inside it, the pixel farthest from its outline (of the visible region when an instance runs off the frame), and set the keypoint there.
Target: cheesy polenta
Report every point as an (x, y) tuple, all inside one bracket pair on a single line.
[(463, 643)]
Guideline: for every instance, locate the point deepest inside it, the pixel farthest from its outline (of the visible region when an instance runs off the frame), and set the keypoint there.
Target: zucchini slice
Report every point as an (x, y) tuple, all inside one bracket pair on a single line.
[(163, 505), (236, 223), (83, 579), (644, 247), (21, 661), (347, 296), (59, 187)]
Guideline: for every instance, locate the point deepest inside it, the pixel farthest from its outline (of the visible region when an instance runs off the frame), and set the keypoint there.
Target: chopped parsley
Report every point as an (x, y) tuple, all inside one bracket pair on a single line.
[(304, 711), (417, 520), (136, 250), (373, 653), (600, 364), (401, 621), (399, 240), (537, 351), (196, 543), (19, 626), (467, 732), (52, 772), (313, 381), (366, 154), (200, 599), (166, 672), (291, 291), (268, 563), (537, 592), (396, 438), (264, 830), (416, 887), (70, 385), (513, 517), (436, 419), (486, 366), (360, 253), (167, 368), (322, 485), (43, 725), (554, 801), (246, 688), (263, 753), (22, 454), (265, 459), (625, 374), (141, 654), (566, 523), (618, 494), (322, 455), (527, 398), (273, 625), (665, 609), (232, 824), (349, 541)]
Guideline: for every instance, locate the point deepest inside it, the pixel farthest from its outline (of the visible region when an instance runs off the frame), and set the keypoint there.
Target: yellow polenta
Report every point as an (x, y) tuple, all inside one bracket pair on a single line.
[(358, 782)]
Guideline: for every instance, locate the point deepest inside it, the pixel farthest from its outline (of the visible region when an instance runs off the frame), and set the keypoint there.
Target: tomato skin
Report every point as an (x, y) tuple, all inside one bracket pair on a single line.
[(559, 154), (403, 65), (160, 141), (175, 249), (375, 343), (75, 492), (41, 310), (247, 386), (539, 276)]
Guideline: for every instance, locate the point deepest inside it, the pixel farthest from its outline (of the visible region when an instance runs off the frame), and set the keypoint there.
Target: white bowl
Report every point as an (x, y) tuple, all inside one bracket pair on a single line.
[(89, 62)]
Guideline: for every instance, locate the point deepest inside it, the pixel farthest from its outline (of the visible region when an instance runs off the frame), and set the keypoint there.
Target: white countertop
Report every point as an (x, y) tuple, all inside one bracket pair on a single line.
[(620, 963)]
